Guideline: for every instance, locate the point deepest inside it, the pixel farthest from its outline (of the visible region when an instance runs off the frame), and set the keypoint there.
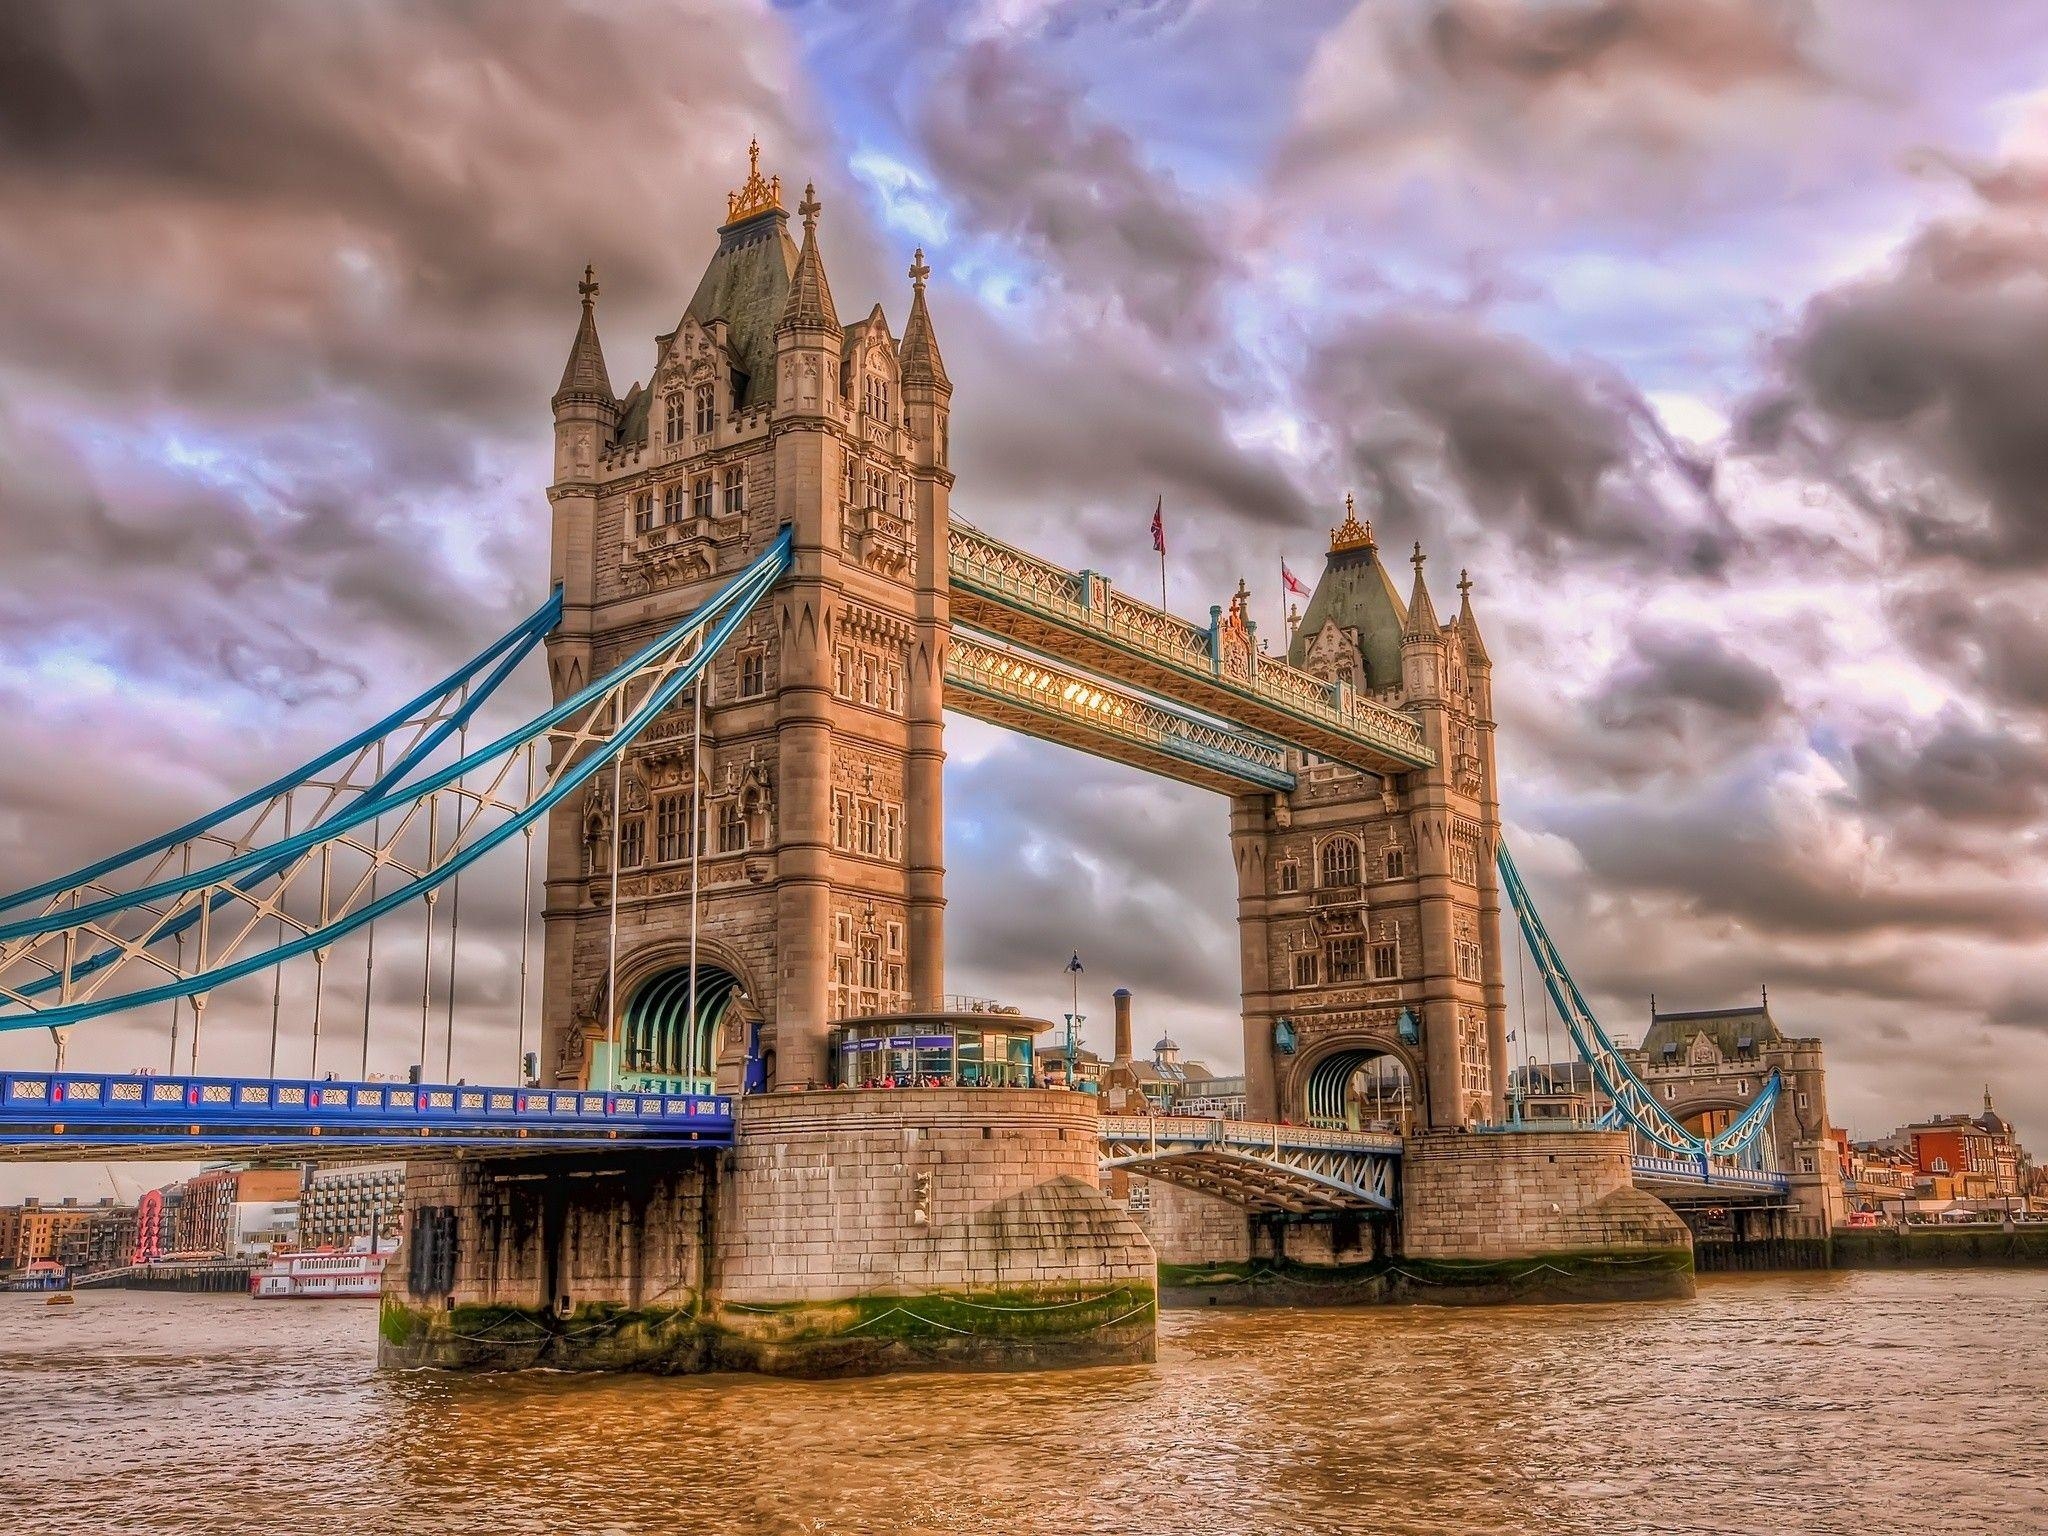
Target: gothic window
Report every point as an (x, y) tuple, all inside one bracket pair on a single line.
[(753, 674), (732, 828), (875, 399), (700, 497), (671, 828), (1397, 863), (903, 498), (735, 492), (1464, 861), (892, 683), (1305, 970), (842, 930), (892, 832), (842, 820), (672, 502), (643, 511), (1347, 959), (842, 673), (1468, 959), (707, 409), (869, 695), (850, 481), (895, 936), (1340, 862), (867, 836), (878, 490), (1386, 960), (675, 416), (894, 978), (870, 964), (632, 842), (1288, 876)]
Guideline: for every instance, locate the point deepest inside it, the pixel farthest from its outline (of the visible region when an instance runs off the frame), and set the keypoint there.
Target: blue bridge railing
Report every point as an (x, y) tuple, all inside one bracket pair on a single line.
[(46, 1108)]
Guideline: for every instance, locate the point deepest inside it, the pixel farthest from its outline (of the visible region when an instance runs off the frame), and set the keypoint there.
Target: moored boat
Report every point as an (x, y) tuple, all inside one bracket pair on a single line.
[(320, 1273)]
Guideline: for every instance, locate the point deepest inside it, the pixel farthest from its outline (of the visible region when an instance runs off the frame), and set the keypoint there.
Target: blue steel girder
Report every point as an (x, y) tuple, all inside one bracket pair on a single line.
[(1082, 617), (94, 954), (1035, 695)]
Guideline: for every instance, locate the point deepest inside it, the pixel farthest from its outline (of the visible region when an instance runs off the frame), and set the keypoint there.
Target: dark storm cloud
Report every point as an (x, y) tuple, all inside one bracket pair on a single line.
[(1548, 453), (1922, 391), (1997, 644), (1623, 105), (1024, 159), (1958, 772), (1070, 853), (1671, 668)]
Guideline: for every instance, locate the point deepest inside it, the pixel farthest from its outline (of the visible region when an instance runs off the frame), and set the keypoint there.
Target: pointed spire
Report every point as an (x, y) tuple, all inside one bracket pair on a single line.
[(585, 375), (809, 305), (1475, 648), (1422, 622), (921, 361)]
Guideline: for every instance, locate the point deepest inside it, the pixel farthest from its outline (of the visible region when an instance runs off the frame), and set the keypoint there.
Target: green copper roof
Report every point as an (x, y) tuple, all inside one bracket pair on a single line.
[(746, 286), (1356, 593)]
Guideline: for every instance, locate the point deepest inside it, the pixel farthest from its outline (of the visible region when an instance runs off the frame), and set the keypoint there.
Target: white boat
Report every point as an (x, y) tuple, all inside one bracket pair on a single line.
[(321, 1272)]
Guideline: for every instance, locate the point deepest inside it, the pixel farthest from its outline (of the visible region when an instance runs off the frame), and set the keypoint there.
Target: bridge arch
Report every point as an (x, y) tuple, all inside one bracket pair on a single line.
[(661, 1044), (1356, 1083)]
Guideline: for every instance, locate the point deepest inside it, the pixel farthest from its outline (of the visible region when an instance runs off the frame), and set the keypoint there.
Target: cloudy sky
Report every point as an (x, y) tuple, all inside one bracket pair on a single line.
[(1711, 335)]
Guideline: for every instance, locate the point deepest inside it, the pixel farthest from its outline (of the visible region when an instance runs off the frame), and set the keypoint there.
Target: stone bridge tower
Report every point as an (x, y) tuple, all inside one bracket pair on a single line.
[(1369, 907), (810, 825)]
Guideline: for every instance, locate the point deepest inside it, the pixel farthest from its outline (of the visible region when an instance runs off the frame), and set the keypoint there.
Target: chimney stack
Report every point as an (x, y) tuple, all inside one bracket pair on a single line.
[(1122, 996)]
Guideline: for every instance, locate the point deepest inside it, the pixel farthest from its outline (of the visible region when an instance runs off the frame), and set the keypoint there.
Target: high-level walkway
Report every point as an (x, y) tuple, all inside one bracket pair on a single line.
[(1080, 617)]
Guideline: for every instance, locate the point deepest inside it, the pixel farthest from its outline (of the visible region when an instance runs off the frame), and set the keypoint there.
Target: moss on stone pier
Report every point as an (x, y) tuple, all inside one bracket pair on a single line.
[(1009, 1328), (1600, 1275)]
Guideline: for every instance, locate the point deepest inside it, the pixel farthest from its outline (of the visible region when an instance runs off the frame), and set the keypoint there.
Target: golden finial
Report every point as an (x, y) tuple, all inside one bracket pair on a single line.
[(757, 196), (1351, 533)]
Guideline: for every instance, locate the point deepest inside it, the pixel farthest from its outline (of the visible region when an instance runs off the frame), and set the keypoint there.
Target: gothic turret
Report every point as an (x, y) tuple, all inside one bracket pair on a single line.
[(809, 305), (1468, 626), (1422, 639), (584, 379), (921, 361)]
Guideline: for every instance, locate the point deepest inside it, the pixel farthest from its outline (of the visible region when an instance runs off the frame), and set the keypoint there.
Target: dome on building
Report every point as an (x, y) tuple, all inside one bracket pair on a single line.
[(1166, 1043)]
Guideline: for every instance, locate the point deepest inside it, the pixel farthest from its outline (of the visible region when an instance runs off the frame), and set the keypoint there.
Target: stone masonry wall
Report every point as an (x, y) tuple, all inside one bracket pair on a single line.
[(836, 1194), (1519, 1194), (1188, 1228)]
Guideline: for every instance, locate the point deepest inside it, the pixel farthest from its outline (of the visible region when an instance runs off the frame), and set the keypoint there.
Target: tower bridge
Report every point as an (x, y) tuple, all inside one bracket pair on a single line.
[(762, 607)]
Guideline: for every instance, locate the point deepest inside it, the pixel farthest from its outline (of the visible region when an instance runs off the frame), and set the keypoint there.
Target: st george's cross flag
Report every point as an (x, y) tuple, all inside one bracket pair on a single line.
[(1289, 582)]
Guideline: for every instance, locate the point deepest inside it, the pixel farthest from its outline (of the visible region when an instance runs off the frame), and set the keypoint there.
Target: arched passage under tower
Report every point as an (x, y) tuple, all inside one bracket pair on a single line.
[(667, 1046), (1359, 1088)]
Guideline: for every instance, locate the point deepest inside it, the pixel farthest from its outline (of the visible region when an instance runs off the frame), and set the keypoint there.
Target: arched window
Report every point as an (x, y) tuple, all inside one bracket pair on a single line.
[(675, 417), (1340, 862), (707, 417)]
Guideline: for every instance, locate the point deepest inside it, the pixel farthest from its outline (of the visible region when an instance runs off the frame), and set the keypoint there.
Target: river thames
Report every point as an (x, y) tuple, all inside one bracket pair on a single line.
[(1863, 1402)]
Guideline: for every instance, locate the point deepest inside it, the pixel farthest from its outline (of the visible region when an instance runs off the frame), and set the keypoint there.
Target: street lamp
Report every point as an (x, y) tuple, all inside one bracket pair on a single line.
[(1073, 1020)]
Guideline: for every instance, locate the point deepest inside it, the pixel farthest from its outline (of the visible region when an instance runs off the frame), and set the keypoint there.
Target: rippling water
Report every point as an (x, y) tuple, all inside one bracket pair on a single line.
[(1862, 1403)]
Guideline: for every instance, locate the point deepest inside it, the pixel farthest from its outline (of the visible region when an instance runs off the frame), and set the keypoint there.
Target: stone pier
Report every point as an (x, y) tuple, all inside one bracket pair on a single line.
[(1535, 1216), (847, 1233)]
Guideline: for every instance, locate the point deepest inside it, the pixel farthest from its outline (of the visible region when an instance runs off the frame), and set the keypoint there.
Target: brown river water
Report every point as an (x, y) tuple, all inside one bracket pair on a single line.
[(1863, 1403)]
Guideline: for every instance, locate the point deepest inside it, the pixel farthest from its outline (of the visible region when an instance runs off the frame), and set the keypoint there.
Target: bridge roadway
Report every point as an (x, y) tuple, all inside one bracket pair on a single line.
[(1258, 1165)]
